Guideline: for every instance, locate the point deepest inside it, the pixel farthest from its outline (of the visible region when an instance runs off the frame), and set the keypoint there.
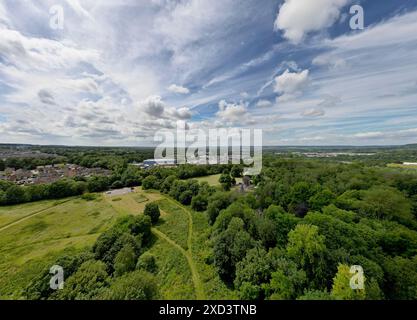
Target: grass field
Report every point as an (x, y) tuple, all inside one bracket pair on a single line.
[(44, 231), (212, 180), (32, 236)]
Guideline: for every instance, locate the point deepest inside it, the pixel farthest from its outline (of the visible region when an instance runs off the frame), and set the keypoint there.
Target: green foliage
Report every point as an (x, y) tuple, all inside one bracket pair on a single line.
[(400, 278), (315, 295), (230, 247), (85, 283), (307, 248), (287, 281), (152, 210), (89, 196), (236, 171), (321, 199), (147, 262), (125, 260), (226, 181), (137, 285), (341, 289), (199, 202), (150, 182), (39, 287), (186, 197), (217, 202), (253, 271), (283, 222), (14, 195)]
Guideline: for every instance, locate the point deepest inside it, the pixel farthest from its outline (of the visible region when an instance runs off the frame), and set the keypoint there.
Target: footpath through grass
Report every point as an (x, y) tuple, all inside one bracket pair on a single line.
[(33, 236)]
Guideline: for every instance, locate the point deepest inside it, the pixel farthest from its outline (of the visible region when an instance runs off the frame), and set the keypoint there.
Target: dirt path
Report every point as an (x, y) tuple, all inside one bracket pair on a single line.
[(198, 286)]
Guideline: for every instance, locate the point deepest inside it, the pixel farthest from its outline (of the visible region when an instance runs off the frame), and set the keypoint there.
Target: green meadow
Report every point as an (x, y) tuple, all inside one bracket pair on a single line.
[(33, 236)]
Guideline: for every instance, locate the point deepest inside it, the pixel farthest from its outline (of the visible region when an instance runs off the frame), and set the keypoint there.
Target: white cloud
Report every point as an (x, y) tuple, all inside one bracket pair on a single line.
[(296, 18), (263, 103), (314, 112), (183, 113), (153, 106), (46, 97), (178, 89), (290, 84), (232, 112)]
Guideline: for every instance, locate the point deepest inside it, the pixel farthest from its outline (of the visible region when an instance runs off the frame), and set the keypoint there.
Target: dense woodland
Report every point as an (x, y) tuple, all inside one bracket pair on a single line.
[(294, 235)]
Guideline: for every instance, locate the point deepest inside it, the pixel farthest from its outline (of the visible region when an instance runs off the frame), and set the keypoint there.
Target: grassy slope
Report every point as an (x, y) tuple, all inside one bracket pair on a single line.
[(31, 244), (34, 235)]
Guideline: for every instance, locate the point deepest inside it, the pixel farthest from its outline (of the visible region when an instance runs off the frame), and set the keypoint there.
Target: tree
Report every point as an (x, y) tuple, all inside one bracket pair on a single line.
[(136, 285), (236, 171), (150, 182), (341, 289), (284, 223), (186, 197), (141, 225), (217, 202), (147, 262), (199, 202), (15, 194), (267, 231), (254, 270), (98, 184), (168, 183), (2, 165), (287, 281), (230, 247), (321, 199), (226, 181), (401, 278), (125, 260), (39, 288), (152, 210), (307, 248), (86, 282), (315, 295), (386, 203)]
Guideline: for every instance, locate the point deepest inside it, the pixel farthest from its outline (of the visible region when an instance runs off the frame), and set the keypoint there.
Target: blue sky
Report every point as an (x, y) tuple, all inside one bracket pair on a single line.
[(121, 70)]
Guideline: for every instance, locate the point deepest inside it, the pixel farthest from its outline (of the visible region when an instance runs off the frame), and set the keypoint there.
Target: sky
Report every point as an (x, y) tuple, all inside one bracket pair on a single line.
[(118, 71)]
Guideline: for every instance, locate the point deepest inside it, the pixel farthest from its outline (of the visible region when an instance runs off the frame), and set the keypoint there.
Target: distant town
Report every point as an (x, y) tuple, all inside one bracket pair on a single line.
[(49, 173)]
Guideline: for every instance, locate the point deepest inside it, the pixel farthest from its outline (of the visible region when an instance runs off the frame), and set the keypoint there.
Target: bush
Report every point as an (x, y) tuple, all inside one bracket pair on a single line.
[(152, 210), (150, 182), (147, 262), (199, 202), (89, 196), (186, 197), (137, 285), (125, 260)]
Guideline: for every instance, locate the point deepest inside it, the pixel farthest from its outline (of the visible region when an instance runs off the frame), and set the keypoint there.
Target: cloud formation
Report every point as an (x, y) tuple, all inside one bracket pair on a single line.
[(289, 85), (178, 89), (296, 18)]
